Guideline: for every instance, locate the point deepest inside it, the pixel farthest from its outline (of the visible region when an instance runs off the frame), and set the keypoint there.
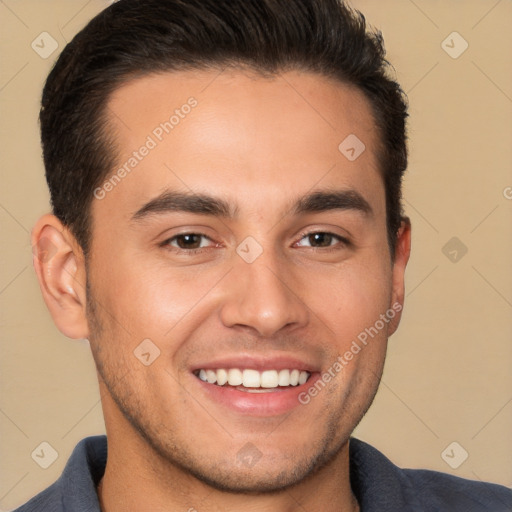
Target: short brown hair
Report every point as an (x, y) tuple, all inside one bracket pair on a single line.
[(137, 37)]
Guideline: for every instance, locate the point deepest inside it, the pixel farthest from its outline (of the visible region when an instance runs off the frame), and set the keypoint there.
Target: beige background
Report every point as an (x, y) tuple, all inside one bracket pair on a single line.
[(447, 376)]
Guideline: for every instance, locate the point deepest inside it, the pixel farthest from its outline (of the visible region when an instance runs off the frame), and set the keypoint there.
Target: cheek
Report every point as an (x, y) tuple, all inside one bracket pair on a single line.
[(351, 298), (151, 301), (148, 299)]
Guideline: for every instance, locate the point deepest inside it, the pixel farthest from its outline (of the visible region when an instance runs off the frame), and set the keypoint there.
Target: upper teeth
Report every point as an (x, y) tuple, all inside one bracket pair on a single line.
[(253, 378)]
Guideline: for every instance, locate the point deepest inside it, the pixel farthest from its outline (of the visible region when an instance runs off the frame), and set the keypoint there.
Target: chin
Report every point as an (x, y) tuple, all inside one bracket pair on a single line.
[(251, 471)]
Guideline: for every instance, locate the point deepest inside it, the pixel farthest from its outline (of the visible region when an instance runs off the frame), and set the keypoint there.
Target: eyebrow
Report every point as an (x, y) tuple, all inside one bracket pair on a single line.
[(202, 204), (325, 200), (170, 201)]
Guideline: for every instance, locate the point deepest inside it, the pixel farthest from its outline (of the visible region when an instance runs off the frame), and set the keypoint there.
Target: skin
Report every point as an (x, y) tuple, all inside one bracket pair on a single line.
[(259, 144)]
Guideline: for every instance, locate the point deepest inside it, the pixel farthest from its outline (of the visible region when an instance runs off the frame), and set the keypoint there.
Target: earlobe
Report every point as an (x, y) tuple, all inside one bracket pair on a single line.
[(402, 253), (60, 268)]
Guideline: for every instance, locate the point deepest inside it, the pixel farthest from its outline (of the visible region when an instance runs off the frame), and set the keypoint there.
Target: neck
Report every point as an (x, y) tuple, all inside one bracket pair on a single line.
[(136, 480)]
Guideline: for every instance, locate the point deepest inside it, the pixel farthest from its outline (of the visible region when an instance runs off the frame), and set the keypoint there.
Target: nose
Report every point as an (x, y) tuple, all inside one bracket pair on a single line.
[(263, 296)]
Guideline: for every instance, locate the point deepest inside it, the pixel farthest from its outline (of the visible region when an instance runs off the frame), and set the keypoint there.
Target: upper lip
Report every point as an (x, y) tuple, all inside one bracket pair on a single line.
[(257, 362)]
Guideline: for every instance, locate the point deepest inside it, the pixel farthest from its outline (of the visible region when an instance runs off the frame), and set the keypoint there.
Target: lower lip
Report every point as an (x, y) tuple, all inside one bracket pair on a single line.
[(270, 403)]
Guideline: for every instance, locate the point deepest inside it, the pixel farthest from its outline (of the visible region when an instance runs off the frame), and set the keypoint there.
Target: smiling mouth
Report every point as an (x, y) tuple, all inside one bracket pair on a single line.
[(253, 381)]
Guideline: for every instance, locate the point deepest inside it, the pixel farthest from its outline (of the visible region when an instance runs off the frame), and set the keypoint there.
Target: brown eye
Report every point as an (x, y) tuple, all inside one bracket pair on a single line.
[(320, 239), (189, 242)]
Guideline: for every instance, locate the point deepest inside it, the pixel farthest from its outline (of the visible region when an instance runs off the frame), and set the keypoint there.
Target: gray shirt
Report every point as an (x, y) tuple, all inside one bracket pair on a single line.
[(378, 484)]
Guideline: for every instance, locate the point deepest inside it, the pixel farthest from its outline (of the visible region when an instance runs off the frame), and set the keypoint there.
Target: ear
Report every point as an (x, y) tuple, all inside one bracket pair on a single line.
[(60, 268), (402, 253)]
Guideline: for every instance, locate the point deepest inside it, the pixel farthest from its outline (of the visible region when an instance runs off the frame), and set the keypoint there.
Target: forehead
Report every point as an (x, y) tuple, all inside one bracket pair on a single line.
[(323, 105), (240, 135)]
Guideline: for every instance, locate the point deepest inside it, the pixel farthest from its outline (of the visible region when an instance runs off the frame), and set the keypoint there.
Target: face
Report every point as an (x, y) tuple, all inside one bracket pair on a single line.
[(241, 244)]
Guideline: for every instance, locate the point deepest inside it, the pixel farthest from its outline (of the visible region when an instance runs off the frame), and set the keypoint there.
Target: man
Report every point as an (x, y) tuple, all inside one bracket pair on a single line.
[(225, 180)]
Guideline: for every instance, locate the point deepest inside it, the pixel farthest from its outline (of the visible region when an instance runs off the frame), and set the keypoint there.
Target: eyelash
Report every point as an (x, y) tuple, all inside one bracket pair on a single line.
[(178, 250), (342, 242)]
